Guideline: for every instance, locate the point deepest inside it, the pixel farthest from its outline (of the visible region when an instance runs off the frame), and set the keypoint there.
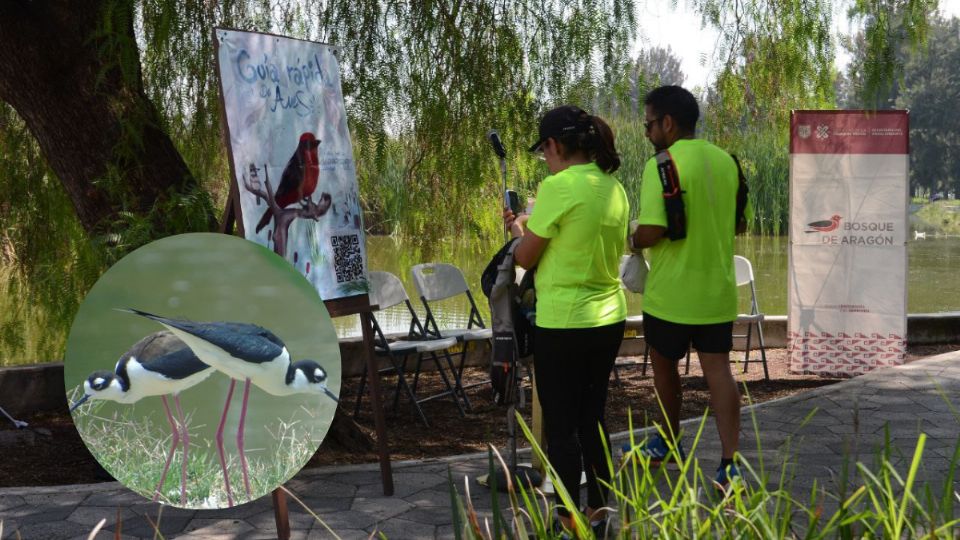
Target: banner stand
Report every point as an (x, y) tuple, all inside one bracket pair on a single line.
[(340, 307), (847, 255)]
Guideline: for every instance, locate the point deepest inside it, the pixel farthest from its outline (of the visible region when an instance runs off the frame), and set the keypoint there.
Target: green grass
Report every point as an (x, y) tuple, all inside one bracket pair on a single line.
[(133, 450)]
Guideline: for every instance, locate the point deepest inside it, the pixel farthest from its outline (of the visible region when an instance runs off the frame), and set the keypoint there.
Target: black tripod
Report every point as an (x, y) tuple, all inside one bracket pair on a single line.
[(514, 394), (522, 474)]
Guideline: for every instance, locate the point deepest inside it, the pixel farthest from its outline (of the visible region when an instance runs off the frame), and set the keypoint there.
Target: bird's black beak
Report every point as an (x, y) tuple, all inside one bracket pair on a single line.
[(333, 397), (79, 402), (315, 143)]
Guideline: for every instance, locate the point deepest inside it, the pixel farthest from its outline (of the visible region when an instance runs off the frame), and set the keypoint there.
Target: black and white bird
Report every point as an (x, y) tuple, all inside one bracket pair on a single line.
[(250, 353), (157, 365)]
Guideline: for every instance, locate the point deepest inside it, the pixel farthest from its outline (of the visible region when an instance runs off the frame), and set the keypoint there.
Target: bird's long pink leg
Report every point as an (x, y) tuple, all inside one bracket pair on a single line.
[(185, 437), (223, 459), (243, 458), (173, 446)]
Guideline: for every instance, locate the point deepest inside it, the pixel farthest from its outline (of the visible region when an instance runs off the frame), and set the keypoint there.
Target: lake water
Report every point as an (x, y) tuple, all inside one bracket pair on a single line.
[(932, 281)]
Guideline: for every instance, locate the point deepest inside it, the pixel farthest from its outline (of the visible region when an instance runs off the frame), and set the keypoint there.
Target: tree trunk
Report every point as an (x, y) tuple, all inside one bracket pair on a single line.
[(72, 72)]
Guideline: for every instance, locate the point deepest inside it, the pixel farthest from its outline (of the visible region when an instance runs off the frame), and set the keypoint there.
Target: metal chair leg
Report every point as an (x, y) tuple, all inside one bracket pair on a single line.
[(646, 359), (763, 352), (363, 384), (402, 381), (457, 374), (451, 389), (616, 374), (19, 424)]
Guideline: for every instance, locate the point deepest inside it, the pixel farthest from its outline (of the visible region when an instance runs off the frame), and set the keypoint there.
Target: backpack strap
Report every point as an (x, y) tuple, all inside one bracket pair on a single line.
[(672, 196), (742, 191)]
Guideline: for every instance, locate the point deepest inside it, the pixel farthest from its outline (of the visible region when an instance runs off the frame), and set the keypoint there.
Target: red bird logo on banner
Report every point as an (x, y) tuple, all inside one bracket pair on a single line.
[(299, 178), (825, 225)]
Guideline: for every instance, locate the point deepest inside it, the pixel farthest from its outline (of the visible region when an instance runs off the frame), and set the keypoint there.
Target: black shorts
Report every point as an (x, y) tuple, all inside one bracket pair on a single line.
[(673, 339)]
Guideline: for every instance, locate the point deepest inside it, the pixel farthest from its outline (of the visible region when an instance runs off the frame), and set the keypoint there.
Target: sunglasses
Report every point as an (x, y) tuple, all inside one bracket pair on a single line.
[(647, 125)]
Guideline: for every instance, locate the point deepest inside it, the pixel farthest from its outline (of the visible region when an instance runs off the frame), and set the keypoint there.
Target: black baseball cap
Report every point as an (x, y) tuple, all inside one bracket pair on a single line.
[(563, 120)]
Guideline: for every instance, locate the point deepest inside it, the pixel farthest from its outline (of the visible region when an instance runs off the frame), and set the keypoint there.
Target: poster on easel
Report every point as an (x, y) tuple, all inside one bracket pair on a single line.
[(847, 269), (291, 156)]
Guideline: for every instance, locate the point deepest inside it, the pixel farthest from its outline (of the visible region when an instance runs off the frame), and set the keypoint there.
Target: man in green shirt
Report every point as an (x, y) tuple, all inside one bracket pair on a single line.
[(690, 293)]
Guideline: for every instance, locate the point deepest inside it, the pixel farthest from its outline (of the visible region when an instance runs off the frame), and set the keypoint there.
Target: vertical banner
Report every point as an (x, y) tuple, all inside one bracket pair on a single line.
[(847, 261), (291, 157)]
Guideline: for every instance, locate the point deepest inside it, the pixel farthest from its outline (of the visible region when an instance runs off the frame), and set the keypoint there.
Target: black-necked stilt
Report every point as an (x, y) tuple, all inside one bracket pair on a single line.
[(251, 353), (157, 365)]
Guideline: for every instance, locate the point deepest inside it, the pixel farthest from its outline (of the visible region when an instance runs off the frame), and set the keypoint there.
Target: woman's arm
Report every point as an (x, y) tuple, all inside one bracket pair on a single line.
[(531, 247)]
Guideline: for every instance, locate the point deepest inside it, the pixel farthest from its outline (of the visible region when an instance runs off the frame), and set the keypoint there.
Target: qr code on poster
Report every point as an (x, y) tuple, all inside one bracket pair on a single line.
[(347, 259)]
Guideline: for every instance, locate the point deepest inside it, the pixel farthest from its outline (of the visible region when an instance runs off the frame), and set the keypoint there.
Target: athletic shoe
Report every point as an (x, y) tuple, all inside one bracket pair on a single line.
[(599, 527), (726, 476), (659, 453), (559, 531)]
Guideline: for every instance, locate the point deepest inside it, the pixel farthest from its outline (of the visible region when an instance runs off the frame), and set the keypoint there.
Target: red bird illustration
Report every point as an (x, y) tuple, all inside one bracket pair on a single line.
[(825, 225), (299, 178)]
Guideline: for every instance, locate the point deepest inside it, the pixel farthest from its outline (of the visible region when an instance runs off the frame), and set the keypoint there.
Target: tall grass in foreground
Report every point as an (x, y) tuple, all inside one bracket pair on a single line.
[(649, 502)]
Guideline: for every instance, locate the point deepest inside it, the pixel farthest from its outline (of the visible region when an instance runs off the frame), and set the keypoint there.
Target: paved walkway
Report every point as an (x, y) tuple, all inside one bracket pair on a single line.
[(850, 418)]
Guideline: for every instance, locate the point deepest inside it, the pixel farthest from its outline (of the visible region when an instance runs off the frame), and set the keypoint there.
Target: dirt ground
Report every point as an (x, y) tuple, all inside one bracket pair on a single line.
[(50, 452)]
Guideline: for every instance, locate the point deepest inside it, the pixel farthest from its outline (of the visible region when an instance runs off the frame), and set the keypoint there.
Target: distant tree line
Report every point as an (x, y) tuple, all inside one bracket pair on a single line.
[(929, 86)]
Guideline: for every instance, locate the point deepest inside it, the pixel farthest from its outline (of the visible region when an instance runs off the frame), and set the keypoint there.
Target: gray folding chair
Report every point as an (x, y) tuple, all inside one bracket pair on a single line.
[(744, 271), (439, 281), (386, 291)]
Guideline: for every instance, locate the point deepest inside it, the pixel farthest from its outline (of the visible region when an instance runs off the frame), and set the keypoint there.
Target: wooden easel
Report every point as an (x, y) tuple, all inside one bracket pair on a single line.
[(231, 222), (352, 305)]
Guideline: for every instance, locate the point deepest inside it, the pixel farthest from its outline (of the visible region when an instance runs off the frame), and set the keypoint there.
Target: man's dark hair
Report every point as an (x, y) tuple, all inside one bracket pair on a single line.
[(678, 103)]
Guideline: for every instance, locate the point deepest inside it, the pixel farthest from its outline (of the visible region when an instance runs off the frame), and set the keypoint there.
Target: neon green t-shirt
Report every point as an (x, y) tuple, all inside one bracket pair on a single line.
[(584, 212), (692, 281)]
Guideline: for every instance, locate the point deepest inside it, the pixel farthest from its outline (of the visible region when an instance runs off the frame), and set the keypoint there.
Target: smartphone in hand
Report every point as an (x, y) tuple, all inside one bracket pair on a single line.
[(513, 202)]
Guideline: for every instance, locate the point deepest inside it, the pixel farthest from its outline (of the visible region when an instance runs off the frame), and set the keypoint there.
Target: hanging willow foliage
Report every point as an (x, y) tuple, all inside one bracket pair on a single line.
[(423, 82), (777, 56)]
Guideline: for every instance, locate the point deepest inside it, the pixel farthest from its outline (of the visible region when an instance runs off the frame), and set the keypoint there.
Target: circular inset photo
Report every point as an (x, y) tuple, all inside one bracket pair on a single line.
[(202, 371)]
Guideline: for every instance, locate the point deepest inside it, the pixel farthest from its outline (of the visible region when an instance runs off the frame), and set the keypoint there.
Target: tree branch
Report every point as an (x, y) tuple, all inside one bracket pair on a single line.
[(283, 217)]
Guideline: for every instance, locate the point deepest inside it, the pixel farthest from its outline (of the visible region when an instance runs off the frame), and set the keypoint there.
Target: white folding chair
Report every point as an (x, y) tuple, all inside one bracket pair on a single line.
[(439, 281), (744, 271), (387, 291)]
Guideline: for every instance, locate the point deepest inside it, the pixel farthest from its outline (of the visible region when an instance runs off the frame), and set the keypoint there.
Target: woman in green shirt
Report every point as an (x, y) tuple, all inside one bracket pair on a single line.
[(575, 237)]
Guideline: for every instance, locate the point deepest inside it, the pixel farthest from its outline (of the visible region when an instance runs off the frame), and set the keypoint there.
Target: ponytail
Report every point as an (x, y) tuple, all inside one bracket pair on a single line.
[(602, 147), (593, 137), (577, 131)]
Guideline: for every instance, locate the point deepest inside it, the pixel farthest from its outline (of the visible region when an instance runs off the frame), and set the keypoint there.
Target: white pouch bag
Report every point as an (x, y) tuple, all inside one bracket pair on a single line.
[(633, 272)]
